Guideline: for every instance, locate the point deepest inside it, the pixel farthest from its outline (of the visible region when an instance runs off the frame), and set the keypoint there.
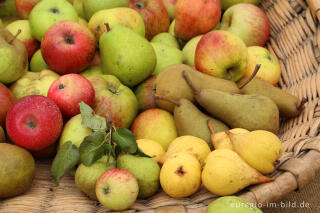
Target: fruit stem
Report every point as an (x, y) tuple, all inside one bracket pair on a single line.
[(107, 26), (302, 103), (211, 130), (167, 99), (256, 69), (19, 31), (188, 80)]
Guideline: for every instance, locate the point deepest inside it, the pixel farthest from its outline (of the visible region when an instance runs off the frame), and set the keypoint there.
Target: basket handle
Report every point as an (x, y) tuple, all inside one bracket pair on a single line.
[(315, 8)]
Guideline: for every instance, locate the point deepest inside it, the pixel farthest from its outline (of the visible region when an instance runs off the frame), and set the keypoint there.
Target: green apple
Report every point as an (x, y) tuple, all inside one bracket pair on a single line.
[(14, 57), (37, 62), (225, 4), (166, 56), (48, 12), (8, 8), (33, 83), (116, 16), (90, 7), (117, 189), (73, 131), (189, 50), (145, 94), (171, 27), (127, 55), (92, 71), (167, 39), (155, 124), (114, 99), (222, 54), (78, 5), (87, 176)]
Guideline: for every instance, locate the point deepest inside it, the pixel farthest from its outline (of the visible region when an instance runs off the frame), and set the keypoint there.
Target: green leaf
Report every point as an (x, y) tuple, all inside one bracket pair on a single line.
[(125, 140), (66, 158), (142, 154), (89, 119), (92, 148)]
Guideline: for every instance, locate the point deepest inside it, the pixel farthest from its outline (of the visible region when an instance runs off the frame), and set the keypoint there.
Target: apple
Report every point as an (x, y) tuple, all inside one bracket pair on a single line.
[(114, 99), (8, 20), (37, 62), (195, 17), (189, 50), (248, 22), (45, 153), (167, 39), (68, 47), (92, 71), (170, 6), (221, 54), (83, 22), (145, 94), (34, 122), (171, 27), (155, 124), (24, 7), (6, 102), (48, 12), (154, 14), (270, 69), (225, 4), (117, 189), (68, 91), (32, 44), (33, 83), (126, 17), (74, 131), (90, 7), (96, 61)]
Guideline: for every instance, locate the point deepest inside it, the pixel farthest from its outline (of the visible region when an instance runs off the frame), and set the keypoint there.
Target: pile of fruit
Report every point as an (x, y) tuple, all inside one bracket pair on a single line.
[(131, 96)]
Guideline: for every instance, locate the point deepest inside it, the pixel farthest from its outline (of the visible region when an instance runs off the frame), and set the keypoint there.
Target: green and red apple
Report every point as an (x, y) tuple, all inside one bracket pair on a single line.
[(154, 14), (90, 7), (6, 102), (48, 12), (37, 62), (248, 22), (221, 54), (170, 6), (24, 7)]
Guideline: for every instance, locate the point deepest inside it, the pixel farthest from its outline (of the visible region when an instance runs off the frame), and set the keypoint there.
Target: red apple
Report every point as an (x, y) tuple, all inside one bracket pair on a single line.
[(6, 101), (68, 47), (195, 17), (34, 122), (24, 7), (68, 91), (154, 14)]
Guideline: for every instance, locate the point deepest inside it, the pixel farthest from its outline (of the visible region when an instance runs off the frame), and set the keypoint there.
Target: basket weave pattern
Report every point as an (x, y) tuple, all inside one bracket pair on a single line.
[(295, 41)]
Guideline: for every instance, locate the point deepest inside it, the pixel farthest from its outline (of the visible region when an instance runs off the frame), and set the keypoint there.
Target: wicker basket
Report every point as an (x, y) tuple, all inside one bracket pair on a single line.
[(295, 41)]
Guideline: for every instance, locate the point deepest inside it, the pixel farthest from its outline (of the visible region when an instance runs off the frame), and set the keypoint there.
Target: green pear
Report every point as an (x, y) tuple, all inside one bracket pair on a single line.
[(14, 57), (166, 56), (189, 50), (17, 169), (87, 176), (166, 38), (92, 71), (145, 170), (232, 204), (90, 7), (127, 55), (78, 5), (37, 62)]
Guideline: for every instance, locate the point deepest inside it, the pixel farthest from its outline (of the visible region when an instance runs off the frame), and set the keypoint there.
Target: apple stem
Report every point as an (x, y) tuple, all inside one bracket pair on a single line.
[(19, 31), (167, 99), (107, 26), (256, 69), (188, 80)]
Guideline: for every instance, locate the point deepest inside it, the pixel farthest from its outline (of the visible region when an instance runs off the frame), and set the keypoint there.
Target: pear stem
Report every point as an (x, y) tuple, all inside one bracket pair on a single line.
[(302, 103), (256, 69), (167, 99), (19, 31), (188, 80), (107, 26), (211, 130)]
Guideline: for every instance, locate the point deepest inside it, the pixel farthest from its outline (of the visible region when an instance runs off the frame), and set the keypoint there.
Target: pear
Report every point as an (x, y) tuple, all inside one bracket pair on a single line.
[(151, 148), (289, 105), (87, 176), (260, 149), (14, 57), (232, 204), (171, 85), (251, 112), (225, 173), (167, 39), (188, 144), (190, 120), (145, 170), (127, 55)]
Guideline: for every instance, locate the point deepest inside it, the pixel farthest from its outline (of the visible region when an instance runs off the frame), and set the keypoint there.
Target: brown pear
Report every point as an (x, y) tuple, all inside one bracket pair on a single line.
[(170, 84)]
